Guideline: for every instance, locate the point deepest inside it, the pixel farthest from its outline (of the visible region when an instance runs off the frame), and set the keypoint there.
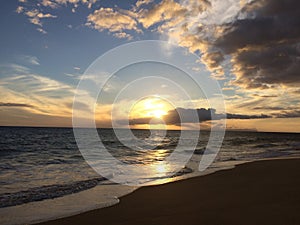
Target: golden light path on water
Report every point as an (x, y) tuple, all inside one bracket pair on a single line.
[(155, 108)]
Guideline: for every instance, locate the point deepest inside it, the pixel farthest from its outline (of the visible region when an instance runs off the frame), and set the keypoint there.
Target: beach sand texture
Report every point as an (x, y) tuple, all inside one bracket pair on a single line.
[(263, 192)]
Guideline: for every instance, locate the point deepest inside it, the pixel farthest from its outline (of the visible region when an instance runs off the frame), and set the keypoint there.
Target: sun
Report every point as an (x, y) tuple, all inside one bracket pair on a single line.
[(152, 107), (159, 113), (155, 108)]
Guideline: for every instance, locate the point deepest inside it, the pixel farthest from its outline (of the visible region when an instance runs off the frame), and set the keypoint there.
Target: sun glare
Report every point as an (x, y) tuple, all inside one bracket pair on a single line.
[(155, 108), (158, 113), (161, 168), (152, 110)]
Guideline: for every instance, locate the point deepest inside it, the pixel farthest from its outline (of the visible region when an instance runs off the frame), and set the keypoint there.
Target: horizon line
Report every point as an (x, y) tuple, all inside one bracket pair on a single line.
[(70, 127)]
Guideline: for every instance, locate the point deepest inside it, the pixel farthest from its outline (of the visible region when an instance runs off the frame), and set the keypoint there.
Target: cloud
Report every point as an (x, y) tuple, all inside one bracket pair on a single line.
[(22, 117), (123, 35), (19, 9), (41, 30), (35, 16), (213, 62), (259, 37), (79, 106), (13, 69), (180, 116), (246, 117), (88, 3), (34, 93), (33, 60), (288, 114), (113, 20), (264, 44), (192, 24), (70, 75), (273, 108), (257, 41), (267, 101), (34, 10), (166, 10), (220, 12), (196, 25), (9, 104), (139, 3), (164, 16), (57, 3), (265, 96), (268, 66), (49, 3), (255, 44)]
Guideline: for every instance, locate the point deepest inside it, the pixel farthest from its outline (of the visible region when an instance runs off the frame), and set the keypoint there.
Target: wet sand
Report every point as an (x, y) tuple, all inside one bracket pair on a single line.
[(264, 192)]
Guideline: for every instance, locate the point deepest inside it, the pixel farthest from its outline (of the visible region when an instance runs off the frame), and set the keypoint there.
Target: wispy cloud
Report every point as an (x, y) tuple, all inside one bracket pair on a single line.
[(41, 30), (76, 68), (35, 93), (10, 104), (33, 60), (13, 70), (288, 114)]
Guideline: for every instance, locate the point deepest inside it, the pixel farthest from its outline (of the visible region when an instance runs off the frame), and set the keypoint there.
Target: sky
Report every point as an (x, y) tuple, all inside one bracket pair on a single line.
[(250, 47)]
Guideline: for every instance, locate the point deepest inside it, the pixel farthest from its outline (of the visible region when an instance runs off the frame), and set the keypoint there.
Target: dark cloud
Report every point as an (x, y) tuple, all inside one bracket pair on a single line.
[(187, 115), (266, 67), (213, 60), (146, 120), (268, 108), (251, 103), (264, 42), (9, 104), (23, 117), (245, 117), (265, 96), (288, 114), (181, 115)]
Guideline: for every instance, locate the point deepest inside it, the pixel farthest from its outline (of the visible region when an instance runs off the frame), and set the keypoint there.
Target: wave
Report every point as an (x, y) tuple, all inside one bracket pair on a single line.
[(47, 192), (265, 145)]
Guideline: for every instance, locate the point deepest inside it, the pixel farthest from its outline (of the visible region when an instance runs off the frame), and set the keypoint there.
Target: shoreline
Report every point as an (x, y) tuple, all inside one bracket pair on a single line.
[(90, 199), (258, 192)]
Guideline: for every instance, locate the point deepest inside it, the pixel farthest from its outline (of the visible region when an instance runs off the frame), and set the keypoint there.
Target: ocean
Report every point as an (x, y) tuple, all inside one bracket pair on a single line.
[(44, 176)]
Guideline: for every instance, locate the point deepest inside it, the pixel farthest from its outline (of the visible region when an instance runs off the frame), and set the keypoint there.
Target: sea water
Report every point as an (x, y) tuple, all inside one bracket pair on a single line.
[(44, 176)]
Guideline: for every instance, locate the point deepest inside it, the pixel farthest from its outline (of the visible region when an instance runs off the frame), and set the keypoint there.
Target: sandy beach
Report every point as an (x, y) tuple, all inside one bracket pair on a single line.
[(263, 192)]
